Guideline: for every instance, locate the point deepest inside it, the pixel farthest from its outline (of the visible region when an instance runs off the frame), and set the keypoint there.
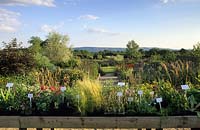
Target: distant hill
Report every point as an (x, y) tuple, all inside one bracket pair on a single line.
[(97, 49)]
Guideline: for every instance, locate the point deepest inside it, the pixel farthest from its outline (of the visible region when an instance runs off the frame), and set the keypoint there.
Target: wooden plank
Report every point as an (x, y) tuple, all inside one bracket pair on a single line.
[(99, 122), (180, 122), (9, 122), (138, 122), (90, 122)]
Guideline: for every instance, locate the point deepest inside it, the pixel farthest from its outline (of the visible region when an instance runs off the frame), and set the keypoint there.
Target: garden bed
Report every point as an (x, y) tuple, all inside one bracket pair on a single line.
[(99, 122)]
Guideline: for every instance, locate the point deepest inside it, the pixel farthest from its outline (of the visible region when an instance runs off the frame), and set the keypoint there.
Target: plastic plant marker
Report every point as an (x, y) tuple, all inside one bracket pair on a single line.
[(121, 84), (9, 85), (159, 100), (78, 98), (140, 92), (63, 88), (130, 99), (30, 96), (185, 87), (119, 94), (151, 93)]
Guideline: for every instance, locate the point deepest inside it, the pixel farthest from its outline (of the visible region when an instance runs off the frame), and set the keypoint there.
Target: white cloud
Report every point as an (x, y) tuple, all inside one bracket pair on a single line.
[(100, 31), (9, 21), (170, 1), (89, 17), (48, 3), (164, 1), (50, 28)]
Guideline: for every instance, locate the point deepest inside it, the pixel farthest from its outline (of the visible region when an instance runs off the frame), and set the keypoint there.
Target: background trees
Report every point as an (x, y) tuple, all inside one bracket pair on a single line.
[(52, 51), (57, 49), (132, 50)]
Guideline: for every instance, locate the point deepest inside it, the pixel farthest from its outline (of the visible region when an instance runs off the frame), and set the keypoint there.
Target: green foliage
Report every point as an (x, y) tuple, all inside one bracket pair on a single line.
[(83, 54), (108, 69), (57, 77), (56, 49), (35, 44), (42, 61), (14, 60), (90, 68), (132, 50), (90, 96)]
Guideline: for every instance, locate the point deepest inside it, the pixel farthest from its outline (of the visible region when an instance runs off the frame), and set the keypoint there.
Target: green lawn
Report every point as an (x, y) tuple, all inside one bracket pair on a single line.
[(109, 69)]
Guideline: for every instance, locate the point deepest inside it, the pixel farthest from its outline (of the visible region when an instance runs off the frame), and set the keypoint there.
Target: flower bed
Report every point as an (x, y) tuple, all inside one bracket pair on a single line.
[(89, 98)]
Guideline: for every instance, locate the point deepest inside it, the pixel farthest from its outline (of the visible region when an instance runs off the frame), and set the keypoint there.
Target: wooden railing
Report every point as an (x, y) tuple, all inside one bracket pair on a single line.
[(40, 122)]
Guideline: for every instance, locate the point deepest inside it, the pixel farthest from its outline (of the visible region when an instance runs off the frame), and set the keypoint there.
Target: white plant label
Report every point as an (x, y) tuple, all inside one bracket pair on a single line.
[(78, 96), (30, 95), (159, 100), (119, 94), (152, 93), (9, 85), (140, 92), (185, 87), (130, 99), (62, 89), (121, 84)]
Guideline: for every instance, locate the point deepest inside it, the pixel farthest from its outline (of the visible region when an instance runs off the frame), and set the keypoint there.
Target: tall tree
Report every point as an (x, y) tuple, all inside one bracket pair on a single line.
[(13, 44), (35, 44), (57, 49), (132, 50)]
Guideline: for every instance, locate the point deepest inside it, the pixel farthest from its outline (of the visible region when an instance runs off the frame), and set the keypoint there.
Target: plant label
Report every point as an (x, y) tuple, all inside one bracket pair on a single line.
[(30, 95), (119, 94), (140, 92), (185, 87), (130, 99), (159, 100), (62, 89), (9, 85), (121, 84), (152, 93), (78, 96)]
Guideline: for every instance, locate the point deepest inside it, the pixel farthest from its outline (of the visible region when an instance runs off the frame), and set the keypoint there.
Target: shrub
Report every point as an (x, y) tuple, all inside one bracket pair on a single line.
[(90, 92), (15, 61)]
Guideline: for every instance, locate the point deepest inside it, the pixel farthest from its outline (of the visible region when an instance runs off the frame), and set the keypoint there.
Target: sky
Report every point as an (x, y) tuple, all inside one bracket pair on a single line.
[(171, 24)]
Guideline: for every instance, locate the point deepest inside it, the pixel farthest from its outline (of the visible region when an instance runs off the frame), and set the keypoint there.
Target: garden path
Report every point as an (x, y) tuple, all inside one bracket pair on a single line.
[(109, 77)]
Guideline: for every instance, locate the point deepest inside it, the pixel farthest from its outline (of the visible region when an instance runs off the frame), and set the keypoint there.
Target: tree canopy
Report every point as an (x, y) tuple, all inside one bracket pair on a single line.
[(57, 49), (132, 50)]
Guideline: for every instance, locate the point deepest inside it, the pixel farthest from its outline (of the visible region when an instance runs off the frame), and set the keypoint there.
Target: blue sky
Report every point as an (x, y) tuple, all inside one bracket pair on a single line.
[(104, 23)]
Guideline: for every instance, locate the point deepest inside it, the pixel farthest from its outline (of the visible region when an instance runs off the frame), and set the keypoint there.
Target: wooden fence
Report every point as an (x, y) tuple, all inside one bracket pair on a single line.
[(40, 122)]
